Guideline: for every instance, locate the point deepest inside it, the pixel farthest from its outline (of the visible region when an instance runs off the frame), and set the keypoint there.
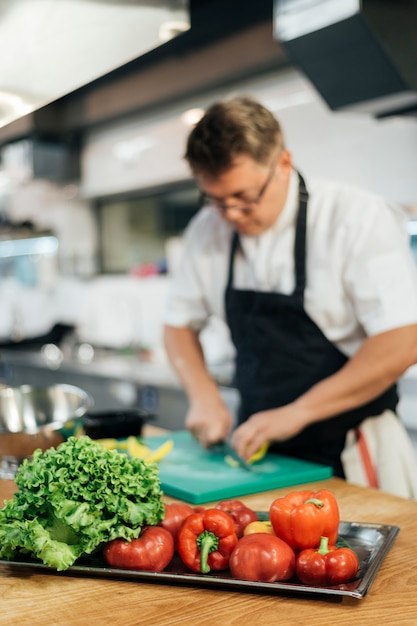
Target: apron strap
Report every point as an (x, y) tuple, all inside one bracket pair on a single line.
[(300, 241), (233, 248)]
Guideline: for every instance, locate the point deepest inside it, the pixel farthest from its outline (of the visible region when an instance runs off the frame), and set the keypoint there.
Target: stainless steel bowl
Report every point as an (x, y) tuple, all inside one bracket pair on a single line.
[(30, 409), (30, 418)]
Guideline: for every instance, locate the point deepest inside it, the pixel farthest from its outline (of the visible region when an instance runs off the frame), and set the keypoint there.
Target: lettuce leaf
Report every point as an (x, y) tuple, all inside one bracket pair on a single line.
[(73, 498)]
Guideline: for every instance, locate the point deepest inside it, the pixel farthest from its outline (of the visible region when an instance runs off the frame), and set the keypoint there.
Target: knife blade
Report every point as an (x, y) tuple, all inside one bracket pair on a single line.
[(225, 448)]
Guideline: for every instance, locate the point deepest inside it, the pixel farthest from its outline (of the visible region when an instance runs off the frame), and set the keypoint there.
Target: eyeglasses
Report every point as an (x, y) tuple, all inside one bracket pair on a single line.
[(245, 204)]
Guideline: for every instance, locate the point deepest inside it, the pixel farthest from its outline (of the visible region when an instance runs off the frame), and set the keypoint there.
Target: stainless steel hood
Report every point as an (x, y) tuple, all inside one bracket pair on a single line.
[(359, 55)]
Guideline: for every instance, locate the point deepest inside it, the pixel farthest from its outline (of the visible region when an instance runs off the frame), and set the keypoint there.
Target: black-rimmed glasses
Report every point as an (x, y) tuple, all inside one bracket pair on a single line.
[(246, 204)]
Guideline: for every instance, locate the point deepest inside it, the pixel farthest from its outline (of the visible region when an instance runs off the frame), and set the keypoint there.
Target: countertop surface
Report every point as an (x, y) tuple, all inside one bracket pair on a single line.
[(36, 598)]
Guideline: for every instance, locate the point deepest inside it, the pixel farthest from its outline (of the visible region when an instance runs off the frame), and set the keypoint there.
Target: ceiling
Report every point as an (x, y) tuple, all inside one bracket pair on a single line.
[(225, 43), (49, 48)]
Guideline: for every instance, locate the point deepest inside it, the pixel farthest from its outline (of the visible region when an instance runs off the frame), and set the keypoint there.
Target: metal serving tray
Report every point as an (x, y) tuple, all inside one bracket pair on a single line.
[(371, 543)]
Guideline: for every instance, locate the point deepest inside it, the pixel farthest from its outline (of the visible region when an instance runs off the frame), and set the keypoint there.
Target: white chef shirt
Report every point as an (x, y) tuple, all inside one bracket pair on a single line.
[(361, 275)]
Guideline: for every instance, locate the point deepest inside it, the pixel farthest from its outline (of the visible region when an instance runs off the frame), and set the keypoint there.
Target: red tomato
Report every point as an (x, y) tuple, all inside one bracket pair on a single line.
[(239, 512), (175, 514), (151, 552), (262, 557)]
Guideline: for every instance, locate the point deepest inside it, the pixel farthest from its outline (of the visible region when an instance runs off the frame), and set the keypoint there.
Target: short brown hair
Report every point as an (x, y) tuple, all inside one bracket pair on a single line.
[(238, 126)]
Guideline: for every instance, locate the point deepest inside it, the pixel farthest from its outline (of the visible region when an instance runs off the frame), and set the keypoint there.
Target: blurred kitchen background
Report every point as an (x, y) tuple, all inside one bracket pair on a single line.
[(96, 101)]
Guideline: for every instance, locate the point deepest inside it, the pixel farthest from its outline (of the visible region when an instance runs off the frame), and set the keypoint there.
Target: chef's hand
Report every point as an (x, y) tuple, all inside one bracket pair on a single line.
[(264, 427), (209, 420)]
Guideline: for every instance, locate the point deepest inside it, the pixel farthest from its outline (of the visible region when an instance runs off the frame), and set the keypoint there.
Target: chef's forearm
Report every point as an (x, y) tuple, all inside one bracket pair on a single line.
[(186, 356), (378, 364)]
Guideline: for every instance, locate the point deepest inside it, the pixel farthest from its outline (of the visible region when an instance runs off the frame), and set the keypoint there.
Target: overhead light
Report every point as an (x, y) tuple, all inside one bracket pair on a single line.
[(12, 105), (170, 29), (192, 116)]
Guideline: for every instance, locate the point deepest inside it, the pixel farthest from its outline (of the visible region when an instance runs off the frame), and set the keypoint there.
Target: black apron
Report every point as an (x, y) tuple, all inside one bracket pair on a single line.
[(281, 353)]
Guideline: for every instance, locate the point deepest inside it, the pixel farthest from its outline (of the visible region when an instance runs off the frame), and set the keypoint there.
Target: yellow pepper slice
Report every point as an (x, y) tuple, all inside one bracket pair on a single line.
[(259, 454), (162, 451), (135, 448), (231, 461), (109, 444)]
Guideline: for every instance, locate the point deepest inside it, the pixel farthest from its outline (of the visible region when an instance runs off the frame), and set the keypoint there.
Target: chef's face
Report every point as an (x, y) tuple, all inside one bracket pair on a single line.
[(249, 195)]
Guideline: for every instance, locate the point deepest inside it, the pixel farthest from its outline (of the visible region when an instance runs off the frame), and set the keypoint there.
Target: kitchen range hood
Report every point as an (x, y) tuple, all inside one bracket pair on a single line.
[(359, 55)]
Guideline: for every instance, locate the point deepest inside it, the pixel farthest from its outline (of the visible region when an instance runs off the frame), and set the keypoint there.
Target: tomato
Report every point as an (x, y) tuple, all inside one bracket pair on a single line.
[(175, 514), (259, 527), (262, 557), (239, 512), (151, 552)]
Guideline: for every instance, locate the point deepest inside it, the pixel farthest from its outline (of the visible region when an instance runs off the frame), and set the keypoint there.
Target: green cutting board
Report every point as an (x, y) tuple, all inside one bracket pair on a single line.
[(191, 473)]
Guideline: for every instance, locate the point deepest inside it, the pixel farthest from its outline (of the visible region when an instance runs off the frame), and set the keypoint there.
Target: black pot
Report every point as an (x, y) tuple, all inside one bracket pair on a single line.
[(56, 335), (115, 423)]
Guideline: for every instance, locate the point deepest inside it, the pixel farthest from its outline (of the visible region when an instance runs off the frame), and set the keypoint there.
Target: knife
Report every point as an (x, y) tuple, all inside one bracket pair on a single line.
[(225, 448)]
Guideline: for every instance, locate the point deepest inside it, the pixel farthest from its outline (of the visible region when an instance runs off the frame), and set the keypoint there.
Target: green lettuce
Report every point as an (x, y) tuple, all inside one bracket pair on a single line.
[(72, 499)]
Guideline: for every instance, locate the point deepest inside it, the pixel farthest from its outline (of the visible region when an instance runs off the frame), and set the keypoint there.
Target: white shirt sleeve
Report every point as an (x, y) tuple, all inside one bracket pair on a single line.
[(382, 276)]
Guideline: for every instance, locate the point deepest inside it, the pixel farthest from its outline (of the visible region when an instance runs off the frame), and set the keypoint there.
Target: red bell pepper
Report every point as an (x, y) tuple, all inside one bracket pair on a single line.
[(206, 540), (175, 514), (301, 518), (262, 557), (242, 515), (327, 565), (151, 552)]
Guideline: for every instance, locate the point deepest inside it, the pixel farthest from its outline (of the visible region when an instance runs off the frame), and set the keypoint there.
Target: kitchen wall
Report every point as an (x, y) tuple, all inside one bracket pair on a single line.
[(144, 154)]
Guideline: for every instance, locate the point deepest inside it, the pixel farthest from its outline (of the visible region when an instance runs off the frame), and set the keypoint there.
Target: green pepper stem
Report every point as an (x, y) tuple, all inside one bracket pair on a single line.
[(316, 501), (324, 546), (207, 542)]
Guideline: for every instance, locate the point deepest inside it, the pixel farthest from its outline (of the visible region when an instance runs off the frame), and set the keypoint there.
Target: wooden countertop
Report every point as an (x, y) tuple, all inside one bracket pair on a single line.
[(30, 597)]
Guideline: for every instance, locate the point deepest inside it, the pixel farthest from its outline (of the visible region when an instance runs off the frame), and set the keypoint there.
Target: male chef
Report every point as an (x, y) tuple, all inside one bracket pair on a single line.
[(315, 281)]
